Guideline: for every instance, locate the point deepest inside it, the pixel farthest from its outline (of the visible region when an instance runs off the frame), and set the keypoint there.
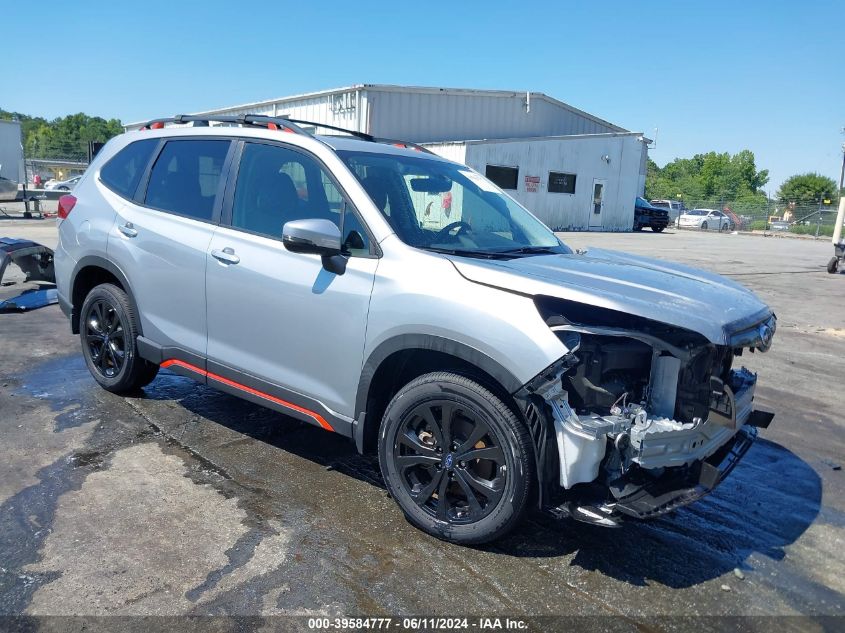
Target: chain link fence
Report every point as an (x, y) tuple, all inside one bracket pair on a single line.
[(809, 217)]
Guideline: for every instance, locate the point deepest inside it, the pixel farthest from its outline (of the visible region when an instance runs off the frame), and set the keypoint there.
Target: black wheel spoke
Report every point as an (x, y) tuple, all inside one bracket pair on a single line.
[(98, 313), (442, 499), (447, 411), (489, 488), (474, 504), (407, 461), (475, 437), (94, 339), (422, 497), (117, 333), (101, 358), (114, 322), (433, 426), (412, 441), (117, 353), (492, 453)]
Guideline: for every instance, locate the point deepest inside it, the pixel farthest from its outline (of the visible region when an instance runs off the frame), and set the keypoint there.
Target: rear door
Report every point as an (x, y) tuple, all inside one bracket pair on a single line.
[(160, 239), (279, 322)]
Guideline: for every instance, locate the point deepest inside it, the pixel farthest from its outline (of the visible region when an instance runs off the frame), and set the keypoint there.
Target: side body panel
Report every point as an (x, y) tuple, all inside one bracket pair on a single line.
[(283, 318), (417, 293), (165, 265)]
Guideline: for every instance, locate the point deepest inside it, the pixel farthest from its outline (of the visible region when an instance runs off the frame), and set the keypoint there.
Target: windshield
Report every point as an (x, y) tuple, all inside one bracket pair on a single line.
[(441, 206), (696, 212)]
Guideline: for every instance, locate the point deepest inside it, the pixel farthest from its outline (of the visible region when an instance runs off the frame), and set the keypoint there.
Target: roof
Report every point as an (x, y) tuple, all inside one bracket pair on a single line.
[(522, 139), (408, 89)]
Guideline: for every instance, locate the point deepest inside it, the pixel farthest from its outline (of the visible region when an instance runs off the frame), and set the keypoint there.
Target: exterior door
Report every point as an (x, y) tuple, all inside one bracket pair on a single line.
[(160, 240), (279, 317), (597, 203)]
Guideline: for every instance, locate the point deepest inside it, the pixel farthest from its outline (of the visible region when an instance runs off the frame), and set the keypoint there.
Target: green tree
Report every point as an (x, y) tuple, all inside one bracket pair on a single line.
[(806, 188), (63, 137), (717, 176)]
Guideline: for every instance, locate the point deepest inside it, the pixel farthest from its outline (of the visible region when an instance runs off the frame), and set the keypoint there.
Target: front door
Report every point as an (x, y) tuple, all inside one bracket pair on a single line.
[(597, 203), (278, 321)]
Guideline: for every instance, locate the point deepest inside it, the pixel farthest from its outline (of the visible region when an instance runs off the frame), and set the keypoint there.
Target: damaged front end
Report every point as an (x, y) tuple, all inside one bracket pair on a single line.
[(639, 417)]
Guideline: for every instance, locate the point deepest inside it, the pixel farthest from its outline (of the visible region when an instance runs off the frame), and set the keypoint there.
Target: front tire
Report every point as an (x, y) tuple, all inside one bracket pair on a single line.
[(455, 458), (108, 329), (658, 229), (704, 226), (833, 265)]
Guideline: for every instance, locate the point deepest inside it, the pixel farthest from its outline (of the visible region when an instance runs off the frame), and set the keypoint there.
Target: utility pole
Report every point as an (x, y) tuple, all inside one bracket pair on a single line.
[(842, 172)]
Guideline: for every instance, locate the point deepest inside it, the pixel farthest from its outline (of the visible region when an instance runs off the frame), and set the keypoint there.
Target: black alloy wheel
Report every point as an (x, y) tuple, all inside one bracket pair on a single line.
[(105, 336), (449, 461), (456, 458), (108, 331)]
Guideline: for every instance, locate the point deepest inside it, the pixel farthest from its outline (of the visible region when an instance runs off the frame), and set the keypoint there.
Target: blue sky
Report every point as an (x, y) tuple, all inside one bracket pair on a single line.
[(723, 76)]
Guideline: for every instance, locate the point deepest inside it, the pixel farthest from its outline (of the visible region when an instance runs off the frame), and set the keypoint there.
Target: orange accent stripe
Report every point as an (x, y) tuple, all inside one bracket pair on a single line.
[(288, 405)]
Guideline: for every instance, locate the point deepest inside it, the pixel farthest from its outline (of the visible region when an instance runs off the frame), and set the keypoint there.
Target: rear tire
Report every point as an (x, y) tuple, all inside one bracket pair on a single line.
[(108, 329), (455, 458), (658, 229)]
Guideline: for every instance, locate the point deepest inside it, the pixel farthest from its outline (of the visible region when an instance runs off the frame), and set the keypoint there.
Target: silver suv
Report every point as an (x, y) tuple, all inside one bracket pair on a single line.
[(378, 291)]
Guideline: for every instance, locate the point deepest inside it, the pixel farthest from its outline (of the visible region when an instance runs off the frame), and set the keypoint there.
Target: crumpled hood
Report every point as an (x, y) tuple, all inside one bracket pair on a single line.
[(671, 293)]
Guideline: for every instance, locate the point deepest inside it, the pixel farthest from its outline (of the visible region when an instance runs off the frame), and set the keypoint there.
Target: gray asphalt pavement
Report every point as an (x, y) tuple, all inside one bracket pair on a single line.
[(184, 500)]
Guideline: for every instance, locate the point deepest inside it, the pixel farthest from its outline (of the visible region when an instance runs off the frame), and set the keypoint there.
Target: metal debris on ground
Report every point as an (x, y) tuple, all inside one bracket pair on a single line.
[(34, 285)]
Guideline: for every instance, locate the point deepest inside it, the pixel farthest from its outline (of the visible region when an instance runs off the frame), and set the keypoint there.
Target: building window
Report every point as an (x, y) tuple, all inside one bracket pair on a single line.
[(561, 183), (504, 177)]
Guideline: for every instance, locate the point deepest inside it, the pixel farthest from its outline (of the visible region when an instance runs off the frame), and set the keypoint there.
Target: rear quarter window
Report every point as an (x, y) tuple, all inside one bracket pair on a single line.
[(123, 171)]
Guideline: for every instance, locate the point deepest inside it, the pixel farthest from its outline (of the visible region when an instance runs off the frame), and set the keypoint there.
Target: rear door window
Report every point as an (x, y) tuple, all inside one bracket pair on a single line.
[(123, 171), (186, 176)]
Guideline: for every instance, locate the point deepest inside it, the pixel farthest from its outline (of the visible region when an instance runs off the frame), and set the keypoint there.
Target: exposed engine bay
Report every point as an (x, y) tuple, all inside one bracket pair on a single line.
[(647, 417)]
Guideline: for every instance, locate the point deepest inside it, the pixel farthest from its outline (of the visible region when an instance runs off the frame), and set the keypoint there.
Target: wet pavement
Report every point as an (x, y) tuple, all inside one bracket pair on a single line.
[(184, 500)]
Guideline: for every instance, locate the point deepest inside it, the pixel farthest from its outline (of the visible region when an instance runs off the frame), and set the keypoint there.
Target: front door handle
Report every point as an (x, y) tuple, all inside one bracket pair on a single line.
[(128, 229), (227, 256)]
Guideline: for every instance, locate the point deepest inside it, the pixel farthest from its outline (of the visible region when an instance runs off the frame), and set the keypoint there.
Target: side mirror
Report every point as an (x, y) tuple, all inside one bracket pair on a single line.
[(316, 237)]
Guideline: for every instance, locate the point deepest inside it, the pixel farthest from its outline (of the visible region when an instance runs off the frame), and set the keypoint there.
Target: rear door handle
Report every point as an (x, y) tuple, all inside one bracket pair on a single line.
[(128, 229), (227, 256)]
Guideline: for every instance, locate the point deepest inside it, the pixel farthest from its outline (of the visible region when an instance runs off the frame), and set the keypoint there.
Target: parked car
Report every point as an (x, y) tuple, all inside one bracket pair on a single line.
[(485, 362), (8, 189), (646, 214), (705, 219), (62, 185), (674, 207)]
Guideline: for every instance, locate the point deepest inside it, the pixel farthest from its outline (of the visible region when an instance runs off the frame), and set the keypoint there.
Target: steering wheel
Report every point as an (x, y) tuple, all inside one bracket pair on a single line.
[(446, 230)]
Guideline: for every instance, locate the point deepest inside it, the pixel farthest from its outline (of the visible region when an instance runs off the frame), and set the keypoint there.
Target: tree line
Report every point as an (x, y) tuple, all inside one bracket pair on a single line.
[(63, 137), (735, 180)]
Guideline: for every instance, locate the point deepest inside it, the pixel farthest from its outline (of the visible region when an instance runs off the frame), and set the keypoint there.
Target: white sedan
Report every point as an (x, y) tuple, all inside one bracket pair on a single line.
[(705, 219), (62, 185)]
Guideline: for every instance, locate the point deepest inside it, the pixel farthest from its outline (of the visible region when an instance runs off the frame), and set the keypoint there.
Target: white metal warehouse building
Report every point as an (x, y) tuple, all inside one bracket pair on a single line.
[(574, 170)]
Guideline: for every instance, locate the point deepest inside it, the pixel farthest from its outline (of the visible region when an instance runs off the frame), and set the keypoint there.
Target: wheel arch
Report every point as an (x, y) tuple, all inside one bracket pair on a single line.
[(400, 359), (91, 271)]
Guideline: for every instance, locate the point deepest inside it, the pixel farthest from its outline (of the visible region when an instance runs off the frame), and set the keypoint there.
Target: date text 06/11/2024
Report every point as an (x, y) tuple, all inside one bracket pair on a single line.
[(417, 624)]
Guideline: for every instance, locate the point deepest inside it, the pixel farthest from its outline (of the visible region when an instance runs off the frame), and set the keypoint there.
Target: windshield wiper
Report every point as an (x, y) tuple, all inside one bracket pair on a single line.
[(533, 250), (468, 253)]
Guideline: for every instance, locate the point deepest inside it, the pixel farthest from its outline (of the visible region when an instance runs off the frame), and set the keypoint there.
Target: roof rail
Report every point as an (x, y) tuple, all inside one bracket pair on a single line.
[(284, 123), (362, 135), (256, 120)]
